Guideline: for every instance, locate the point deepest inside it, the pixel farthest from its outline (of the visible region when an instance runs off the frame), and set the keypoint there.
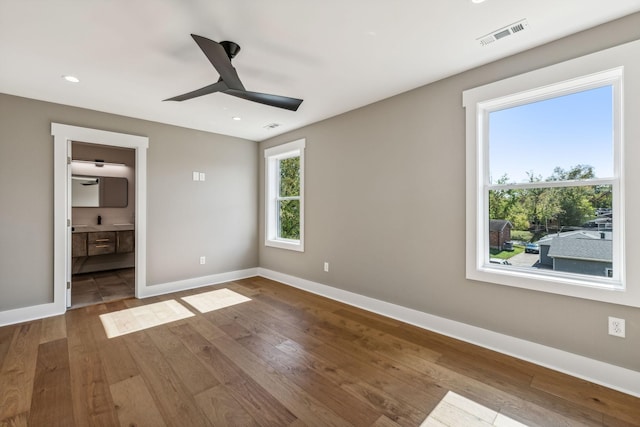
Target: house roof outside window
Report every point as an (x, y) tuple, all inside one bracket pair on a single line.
[(581, 245)]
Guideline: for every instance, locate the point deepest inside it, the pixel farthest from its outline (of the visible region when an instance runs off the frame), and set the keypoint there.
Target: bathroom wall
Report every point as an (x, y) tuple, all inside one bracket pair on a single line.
[(82, 151)]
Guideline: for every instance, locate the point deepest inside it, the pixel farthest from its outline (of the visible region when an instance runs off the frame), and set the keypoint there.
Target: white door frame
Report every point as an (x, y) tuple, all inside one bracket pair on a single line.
[(62, 137)]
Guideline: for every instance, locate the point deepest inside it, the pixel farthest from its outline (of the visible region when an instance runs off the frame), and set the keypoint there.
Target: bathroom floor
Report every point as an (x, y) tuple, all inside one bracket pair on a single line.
[(102, 286)]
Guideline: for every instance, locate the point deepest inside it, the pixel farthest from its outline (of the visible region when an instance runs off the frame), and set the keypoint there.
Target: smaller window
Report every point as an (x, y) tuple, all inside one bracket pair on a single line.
[(284, 196)]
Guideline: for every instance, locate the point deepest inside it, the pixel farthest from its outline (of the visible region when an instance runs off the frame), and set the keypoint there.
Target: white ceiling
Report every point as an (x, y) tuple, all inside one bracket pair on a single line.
[(337, 55)]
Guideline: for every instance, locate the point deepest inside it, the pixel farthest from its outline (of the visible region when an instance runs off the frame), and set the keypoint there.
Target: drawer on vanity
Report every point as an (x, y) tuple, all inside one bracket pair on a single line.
[(101, 242)]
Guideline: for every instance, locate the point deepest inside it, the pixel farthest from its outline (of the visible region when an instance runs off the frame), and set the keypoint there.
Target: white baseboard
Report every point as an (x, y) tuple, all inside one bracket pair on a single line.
[(26, 314), (34, 312), (605, 374), (196, 282)]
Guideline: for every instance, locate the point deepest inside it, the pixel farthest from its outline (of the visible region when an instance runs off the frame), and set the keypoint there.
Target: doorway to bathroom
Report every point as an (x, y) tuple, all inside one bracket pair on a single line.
[(102, 223), (64, 237)]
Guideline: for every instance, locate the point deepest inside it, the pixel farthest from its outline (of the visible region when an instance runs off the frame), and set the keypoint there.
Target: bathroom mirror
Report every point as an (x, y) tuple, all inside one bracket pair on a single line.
[(99, 192)]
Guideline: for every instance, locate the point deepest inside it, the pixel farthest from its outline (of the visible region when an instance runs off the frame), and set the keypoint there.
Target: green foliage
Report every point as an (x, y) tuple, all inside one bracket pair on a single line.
[(289, 209), (522, 235), (538, 209)]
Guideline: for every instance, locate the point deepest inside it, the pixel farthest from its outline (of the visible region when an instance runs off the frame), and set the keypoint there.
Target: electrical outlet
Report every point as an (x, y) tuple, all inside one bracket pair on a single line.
[(326, 266), (616, 327), (203, 260)]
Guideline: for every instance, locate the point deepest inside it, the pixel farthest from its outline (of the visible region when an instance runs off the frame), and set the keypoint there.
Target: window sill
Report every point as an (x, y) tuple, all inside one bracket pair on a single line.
[(598, 289), (292, 245)]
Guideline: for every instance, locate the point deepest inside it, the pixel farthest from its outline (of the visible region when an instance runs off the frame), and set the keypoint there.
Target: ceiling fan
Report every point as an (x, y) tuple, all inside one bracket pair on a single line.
[(220, 55)]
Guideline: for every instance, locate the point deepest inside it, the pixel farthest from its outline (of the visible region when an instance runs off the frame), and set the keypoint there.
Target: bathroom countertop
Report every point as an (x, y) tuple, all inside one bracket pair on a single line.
[(79, 228)]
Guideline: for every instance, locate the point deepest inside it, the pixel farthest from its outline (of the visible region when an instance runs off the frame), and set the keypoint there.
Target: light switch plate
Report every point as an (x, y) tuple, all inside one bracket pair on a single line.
[(196, 176), (201, 176)]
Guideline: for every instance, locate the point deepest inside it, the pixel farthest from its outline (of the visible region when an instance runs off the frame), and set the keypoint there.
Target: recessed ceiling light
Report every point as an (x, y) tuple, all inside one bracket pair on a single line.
[(237, 118), (477, 1), (72, 79)]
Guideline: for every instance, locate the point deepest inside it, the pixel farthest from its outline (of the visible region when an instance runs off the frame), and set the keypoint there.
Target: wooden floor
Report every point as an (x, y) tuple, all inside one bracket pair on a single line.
[(285, 358), (102, 286)]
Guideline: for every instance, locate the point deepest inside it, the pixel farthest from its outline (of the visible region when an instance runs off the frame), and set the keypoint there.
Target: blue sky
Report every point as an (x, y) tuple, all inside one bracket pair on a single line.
[(565, 131)]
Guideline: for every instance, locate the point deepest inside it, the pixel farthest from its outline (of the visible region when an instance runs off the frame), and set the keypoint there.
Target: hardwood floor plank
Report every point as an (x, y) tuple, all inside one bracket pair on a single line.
[(615, 404), (51, 401), (174, 400), (252, 320), (384, 421), (116, 360), (20, 420), (134, 404), (255, 400), (6, 336), (18, 370), (362, 388), (222, 409), (194, 375), (315, 384), (53, 328), (300, 403), (91, 397)]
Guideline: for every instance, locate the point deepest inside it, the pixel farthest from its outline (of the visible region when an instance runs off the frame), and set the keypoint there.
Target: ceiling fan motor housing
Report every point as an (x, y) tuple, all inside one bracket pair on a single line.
[(231, 48)]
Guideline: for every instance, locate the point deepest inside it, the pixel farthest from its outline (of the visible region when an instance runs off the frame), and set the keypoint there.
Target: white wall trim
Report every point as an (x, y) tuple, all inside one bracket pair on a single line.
[(605, 374), (196, 282), (26, 314)]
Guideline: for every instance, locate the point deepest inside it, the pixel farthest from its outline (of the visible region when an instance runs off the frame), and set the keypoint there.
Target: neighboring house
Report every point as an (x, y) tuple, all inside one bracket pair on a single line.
[(581, 252), (499, 233)]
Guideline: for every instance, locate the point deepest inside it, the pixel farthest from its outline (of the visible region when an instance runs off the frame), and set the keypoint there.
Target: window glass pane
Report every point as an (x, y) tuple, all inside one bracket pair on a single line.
[(289, 219), (290, 177), (532, 140), (567, 229)]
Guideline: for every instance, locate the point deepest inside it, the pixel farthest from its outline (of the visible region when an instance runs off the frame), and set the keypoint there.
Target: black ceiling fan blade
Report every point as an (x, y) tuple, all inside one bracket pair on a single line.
[(219, 59), (219, 86), (285, 102)]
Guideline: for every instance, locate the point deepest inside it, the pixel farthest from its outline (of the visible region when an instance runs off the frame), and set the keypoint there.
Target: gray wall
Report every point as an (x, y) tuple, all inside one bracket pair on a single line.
[(385, 206), (185, 219)]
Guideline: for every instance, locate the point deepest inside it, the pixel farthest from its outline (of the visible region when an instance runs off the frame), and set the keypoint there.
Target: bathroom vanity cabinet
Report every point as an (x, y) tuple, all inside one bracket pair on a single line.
[(102, 243), (105, 247)]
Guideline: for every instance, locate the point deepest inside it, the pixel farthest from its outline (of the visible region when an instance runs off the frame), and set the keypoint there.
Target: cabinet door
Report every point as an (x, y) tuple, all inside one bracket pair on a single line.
[(78, 244), (126, 241)]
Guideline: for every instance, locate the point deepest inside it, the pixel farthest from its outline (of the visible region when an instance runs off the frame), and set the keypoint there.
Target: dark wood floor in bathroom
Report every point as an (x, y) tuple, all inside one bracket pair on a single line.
[(102, 286)]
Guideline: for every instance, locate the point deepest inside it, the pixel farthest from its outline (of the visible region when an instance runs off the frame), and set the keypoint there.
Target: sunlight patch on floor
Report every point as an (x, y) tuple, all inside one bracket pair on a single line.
[(455, 410), (215, 300), (136, 319)]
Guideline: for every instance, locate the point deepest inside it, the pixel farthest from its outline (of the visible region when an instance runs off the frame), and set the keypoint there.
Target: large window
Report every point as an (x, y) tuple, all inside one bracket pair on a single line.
[(284, 196), (544, 190)]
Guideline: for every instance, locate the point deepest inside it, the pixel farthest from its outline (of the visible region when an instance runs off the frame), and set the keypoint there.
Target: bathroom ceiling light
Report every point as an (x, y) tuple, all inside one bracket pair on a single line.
[(477, 1), (236, 118), (72, 79), (97, 163)]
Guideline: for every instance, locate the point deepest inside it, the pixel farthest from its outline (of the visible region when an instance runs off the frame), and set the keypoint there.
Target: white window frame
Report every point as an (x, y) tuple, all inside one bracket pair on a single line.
[(615, 66), (272, 184)]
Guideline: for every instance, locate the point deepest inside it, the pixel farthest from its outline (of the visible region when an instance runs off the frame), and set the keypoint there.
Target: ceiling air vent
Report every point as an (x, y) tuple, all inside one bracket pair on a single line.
[(271, 125), (503, 32)]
